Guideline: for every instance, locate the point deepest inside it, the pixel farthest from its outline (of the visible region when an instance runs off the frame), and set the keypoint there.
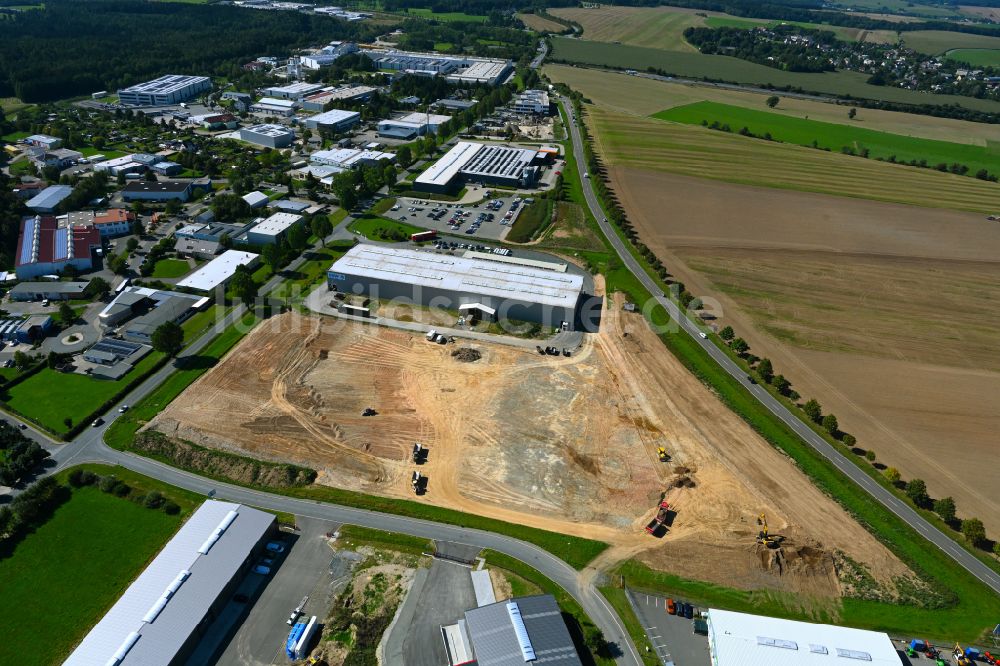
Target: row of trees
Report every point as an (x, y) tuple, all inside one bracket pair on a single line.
[(915, 489), (112, 485), (28, 510), (22, 456)]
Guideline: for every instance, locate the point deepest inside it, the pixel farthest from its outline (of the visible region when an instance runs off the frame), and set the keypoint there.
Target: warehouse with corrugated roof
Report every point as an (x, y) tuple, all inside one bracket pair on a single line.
[(475, 287), (162, 616)]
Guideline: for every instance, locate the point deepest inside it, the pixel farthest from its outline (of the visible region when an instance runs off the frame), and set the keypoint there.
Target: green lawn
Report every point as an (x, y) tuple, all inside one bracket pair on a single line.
[(20, 168), (109, 154), (312, 271), (171, 268), (15, 136), (445, 16), (62, 578), (355, 535), (382, 229), (48, 396), (443, 46), (835, 136), (735, 70), (535, 217), (976, 57)]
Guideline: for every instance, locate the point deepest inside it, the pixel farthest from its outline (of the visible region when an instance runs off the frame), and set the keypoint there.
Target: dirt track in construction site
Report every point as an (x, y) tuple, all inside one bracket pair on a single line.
[(565, 444)]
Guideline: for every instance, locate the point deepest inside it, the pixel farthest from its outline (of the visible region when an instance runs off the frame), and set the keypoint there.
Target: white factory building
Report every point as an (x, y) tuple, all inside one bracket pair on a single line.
[(457, 69), (273, 229), (270, 136), (274, 107), (292, 91), (164, 91), (411, 125), (163, 615), (347, 158), (318, 100), (739, 639), (532, 103), (335, 120), (488, 164), (475, 287), (218, 271)]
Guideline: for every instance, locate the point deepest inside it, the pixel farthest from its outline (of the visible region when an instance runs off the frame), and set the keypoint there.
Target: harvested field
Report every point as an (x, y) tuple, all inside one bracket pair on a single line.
[(934, 42), (565, 444), (643, 143), (634, 95), (656, 27), (987, 13), (540, 23), (885, 313)]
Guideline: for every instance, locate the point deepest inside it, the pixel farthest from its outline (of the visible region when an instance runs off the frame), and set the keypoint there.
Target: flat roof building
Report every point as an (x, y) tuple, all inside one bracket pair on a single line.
[(171, 307), (293, 91), (490, 72), (317, 101), (161, 617), (532, 103), (270, 136), (345, 158), (274, 106), (489, 164), (44, 141), (164, 91), (160, 190), (49, 199), (739, 639), (218, 271), (336, 120), (54, 291), (481, 288), (411, 125), (272, 229)]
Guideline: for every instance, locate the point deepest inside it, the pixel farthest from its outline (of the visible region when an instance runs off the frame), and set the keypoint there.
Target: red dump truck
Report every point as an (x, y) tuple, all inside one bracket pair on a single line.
[(660, 519)]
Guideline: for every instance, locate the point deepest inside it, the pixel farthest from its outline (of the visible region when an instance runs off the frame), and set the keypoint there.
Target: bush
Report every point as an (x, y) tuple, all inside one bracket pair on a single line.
[(171, 508), (870, 455), (108, 484), (75, 478), (153, 499)]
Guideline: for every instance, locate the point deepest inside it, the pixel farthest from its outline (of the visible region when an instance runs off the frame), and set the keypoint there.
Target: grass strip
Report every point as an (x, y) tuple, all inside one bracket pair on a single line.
[(356, 535), (617, 599)]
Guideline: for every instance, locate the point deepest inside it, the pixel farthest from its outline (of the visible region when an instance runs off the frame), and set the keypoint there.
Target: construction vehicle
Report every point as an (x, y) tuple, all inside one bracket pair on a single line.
[(369, 412), (930, 652), (990, 659), (419, 453), (960, 658), (661, 517), (419, 482), (763, 537), (661, 453)]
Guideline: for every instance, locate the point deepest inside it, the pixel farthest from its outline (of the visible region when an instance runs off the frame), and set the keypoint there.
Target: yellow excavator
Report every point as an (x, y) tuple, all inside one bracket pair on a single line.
[(661, 453), (763, 537)]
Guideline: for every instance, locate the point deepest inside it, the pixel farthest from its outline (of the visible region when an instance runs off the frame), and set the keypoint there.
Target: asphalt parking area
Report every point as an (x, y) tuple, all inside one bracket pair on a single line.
[(486, 220), (670, 636)]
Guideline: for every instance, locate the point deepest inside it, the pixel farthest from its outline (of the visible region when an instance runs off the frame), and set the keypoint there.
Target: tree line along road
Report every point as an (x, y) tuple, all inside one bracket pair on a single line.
[(907, 514)]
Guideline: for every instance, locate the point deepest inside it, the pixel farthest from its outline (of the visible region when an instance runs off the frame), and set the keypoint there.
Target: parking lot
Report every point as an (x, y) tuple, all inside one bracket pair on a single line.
[(305, 571), (489, 219), (672, 637)]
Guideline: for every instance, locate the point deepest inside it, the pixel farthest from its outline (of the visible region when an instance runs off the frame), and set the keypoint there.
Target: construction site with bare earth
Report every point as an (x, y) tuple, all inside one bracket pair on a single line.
[(567, 444)]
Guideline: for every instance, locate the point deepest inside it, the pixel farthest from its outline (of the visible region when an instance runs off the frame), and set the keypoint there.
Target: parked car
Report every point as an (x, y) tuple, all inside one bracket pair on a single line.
[(275, 547), (671, 607), (262, 570), (123, 409)]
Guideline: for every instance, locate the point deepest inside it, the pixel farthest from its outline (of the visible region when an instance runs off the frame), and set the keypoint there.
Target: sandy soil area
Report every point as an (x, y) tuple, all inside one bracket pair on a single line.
[(566, 444), (885, 313)]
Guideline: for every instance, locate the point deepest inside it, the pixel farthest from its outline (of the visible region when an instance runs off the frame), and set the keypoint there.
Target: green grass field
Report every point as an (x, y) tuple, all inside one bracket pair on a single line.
[(445, 16), (63, 578), (312, 271), (15, 136), (369, 227), (533, 218), (976, 57), (835, 136), (934, 42), (48, 397), (726, 68), (171, 268)]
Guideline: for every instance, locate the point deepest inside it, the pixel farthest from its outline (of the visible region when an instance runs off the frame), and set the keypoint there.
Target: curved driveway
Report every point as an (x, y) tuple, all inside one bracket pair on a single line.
[(906, 513)]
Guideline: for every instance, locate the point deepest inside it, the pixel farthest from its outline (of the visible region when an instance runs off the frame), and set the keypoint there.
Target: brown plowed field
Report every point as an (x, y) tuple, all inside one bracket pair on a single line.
[(565, 444), (887, 314)]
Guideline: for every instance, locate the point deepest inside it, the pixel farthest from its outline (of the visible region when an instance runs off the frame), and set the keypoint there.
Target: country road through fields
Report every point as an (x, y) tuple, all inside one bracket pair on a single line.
[(966, 559)]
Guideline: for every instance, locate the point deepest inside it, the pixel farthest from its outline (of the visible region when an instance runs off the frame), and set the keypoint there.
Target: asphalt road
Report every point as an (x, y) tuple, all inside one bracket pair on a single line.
[(841, 462)]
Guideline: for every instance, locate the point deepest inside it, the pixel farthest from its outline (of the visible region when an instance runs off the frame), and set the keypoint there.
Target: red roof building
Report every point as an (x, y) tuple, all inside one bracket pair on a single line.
[(44, 248)]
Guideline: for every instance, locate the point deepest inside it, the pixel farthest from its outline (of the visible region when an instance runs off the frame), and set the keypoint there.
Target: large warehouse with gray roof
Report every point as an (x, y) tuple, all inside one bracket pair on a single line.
[(162, 616), (477, 287)]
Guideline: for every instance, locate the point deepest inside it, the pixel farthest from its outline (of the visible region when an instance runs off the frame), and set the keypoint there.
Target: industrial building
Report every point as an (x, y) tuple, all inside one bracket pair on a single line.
[(44, 141), (489, 72), (477, 288), (212, 231), (61, 158), (273, 106), (162, 616), (335, 120), (218, 271), (273, 229), (54, 291), (452, 104), (481, 163), (109, 223), (164, 91), (269, 136), (346, 158), (160, 190), (411, 125), (113, 358), (49, 199), (319, 100), (45, 248), (292, 91), (199, 249), (256, 199), (139, 302), (739, 639), (523, 630), (532, 103)]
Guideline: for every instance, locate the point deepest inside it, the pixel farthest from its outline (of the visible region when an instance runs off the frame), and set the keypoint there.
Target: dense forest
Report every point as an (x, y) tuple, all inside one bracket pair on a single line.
[(72, 48)]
